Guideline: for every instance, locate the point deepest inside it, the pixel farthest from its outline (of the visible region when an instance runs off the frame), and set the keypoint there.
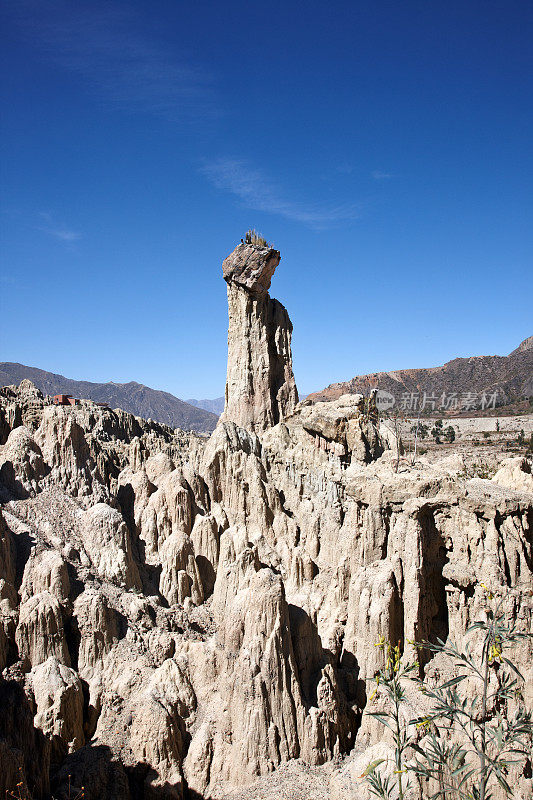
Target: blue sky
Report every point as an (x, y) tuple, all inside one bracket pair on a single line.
[(384, 147)]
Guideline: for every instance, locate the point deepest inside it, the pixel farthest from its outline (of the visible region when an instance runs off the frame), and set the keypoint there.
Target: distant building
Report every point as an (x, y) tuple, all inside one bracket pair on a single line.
[(65, 400), (68, 400)]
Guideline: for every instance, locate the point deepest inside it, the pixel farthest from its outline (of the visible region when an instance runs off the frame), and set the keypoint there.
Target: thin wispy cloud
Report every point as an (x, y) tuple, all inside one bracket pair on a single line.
[(59, 232), (257, 191), (378, 175), (65, 235), (103, 43)]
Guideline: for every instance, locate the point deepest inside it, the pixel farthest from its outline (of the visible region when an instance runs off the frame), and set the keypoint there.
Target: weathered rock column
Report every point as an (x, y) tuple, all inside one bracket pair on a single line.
[(260, 386)]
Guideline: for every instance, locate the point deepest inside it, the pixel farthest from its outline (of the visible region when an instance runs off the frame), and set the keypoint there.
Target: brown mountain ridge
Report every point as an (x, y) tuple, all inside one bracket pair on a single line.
[(135, 398), (511, 377)]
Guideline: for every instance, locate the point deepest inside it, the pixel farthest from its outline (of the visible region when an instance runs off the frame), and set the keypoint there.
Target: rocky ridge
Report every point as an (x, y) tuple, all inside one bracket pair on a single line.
[(133, 397), (511, 377), (180, 617)]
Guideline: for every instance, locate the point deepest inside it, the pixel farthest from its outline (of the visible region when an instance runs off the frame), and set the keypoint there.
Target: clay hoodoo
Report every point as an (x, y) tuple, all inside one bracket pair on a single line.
[(260, 386)]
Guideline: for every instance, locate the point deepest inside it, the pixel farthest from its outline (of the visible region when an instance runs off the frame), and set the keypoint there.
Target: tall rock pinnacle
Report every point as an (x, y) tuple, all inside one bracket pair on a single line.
[(260, 386)]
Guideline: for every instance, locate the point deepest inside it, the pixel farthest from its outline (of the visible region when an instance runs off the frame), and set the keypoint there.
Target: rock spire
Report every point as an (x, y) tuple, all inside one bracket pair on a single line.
[(260, 386)]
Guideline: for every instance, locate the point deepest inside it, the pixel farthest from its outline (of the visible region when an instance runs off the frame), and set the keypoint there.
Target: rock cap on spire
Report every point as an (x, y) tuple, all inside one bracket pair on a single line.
[(251, 267)]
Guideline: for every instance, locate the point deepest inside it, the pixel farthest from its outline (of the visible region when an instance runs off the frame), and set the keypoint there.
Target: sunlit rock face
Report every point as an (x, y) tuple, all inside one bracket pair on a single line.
[(260, 386)]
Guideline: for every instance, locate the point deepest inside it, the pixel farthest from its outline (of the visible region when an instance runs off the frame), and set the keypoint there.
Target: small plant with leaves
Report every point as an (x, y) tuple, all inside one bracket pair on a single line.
[(472, 738), (390, 682), (492, 737)]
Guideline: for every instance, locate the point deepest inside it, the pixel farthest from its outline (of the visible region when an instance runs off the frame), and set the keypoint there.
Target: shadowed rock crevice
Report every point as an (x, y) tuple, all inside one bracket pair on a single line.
[(24, 749), (433, 622)]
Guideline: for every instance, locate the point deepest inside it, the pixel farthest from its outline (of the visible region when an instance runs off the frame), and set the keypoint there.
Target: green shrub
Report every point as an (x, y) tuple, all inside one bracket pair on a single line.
[(438, 431), (450, 434), (422, 430), (489, 737), (478, 470)]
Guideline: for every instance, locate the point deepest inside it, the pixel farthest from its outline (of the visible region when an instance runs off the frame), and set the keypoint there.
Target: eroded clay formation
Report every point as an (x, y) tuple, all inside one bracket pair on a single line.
[(181, 616), (260, 386)]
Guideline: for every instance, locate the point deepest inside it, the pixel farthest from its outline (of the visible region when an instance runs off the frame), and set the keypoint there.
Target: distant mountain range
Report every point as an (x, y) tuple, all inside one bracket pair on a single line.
[(132, 397), (510, 376), (216, 406)]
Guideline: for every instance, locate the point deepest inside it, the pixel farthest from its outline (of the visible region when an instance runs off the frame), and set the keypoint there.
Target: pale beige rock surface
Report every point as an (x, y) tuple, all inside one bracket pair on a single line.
[(197, 619), (58, 696), (515, 473), (260, 386)]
